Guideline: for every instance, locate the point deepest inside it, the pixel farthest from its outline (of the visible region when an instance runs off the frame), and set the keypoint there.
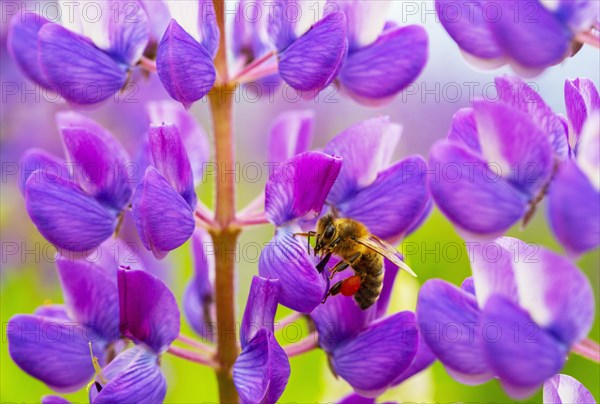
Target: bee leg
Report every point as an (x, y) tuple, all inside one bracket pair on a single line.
[(340, 266), (334, 290)]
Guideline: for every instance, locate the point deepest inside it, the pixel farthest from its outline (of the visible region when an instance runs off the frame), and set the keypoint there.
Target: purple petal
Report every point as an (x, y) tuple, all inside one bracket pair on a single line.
[(468, 285), (57, 311), (22, 45), (260, 308), (199, 295), (515, 92), (313, 61), (261, 371), (137, 380), (510, 140), (100, 163), (565, 389), (464, 129), (54, 400), (285, 258), (492, 268), (536, 42), (366, 20), (38, 159), (171, 160), (470, 194), (208, 27), (129, 31), (389, 276), (581, 100), (91, 297), (194, 138), (386, 67), (390, 205), (290, 134), (563, 303), (53, 350), (468, 25), (149, 312), (281, 27), (356, 398), (185, 68), (65, 215), (163, 218), (367, 148), (374, 358), (423, 359), (80, 72), (521, 354), (574, 210), (298, 188), (450, 323), (340, 319)]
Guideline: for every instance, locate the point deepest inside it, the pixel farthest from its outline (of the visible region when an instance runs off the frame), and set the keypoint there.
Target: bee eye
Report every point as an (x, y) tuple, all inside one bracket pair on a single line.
[(329, 232)]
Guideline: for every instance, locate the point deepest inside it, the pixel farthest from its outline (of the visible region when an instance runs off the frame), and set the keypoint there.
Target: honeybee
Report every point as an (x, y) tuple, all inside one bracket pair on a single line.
[(351, 241)]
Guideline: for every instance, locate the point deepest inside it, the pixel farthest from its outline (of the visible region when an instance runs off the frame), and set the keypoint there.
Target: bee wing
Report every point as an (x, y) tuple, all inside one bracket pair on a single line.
[(385, 249)]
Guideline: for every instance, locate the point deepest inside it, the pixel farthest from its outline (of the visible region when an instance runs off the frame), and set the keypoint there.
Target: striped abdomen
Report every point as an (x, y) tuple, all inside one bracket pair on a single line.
[(371, 267)]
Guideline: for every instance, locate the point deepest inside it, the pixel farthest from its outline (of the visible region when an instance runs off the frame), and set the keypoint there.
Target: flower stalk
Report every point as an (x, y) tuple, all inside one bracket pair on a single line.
[(192, 356), (225, 236)]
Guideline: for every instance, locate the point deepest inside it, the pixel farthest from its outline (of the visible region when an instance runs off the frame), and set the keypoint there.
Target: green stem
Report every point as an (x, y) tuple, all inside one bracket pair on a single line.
[(224, 236)]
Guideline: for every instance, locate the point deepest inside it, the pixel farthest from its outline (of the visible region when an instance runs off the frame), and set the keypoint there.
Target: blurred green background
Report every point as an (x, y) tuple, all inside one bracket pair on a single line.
[(425, 111)]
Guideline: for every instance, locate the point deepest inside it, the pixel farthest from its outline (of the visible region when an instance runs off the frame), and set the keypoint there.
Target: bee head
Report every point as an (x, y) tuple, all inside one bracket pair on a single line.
[(326, 232)]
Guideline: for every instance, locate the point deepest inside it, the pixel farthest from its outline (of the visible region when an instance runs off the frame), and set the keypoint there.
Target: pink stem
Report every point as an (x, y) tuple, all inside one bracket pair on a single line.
[(192, 356), (195, 343), (587, 349), (258, 73), (254, 220), (255, 63), (284, 322), (304, 345), (148, 64), (588, 38), (204, 215)]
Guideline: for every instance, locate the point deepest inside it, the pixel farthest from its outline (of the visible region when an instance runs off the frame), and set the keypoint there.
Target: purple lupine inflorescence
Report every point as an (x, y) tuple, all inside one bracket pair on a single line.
[(78, 208), (577, 181), (85, 60), (497, 160), (262, 370), (88, 320), (518, 317), (368, 350), (563, 389), (530, 35)]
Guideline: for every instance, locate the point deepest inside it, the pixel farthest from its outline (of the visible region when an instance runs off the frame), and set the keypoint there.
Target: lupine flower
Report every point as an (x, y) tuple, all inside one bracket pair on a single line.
[(382, 58), (198, 300), (563, 389), (368, 350), (185, 54), (53, 344), (164, 203), (262, 370), (83, 59), (77, 212), (296, 191), (516, 320), (577, 181), (309, 54), (150, 318), (391, 199), (529, 35), (497, 161)]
